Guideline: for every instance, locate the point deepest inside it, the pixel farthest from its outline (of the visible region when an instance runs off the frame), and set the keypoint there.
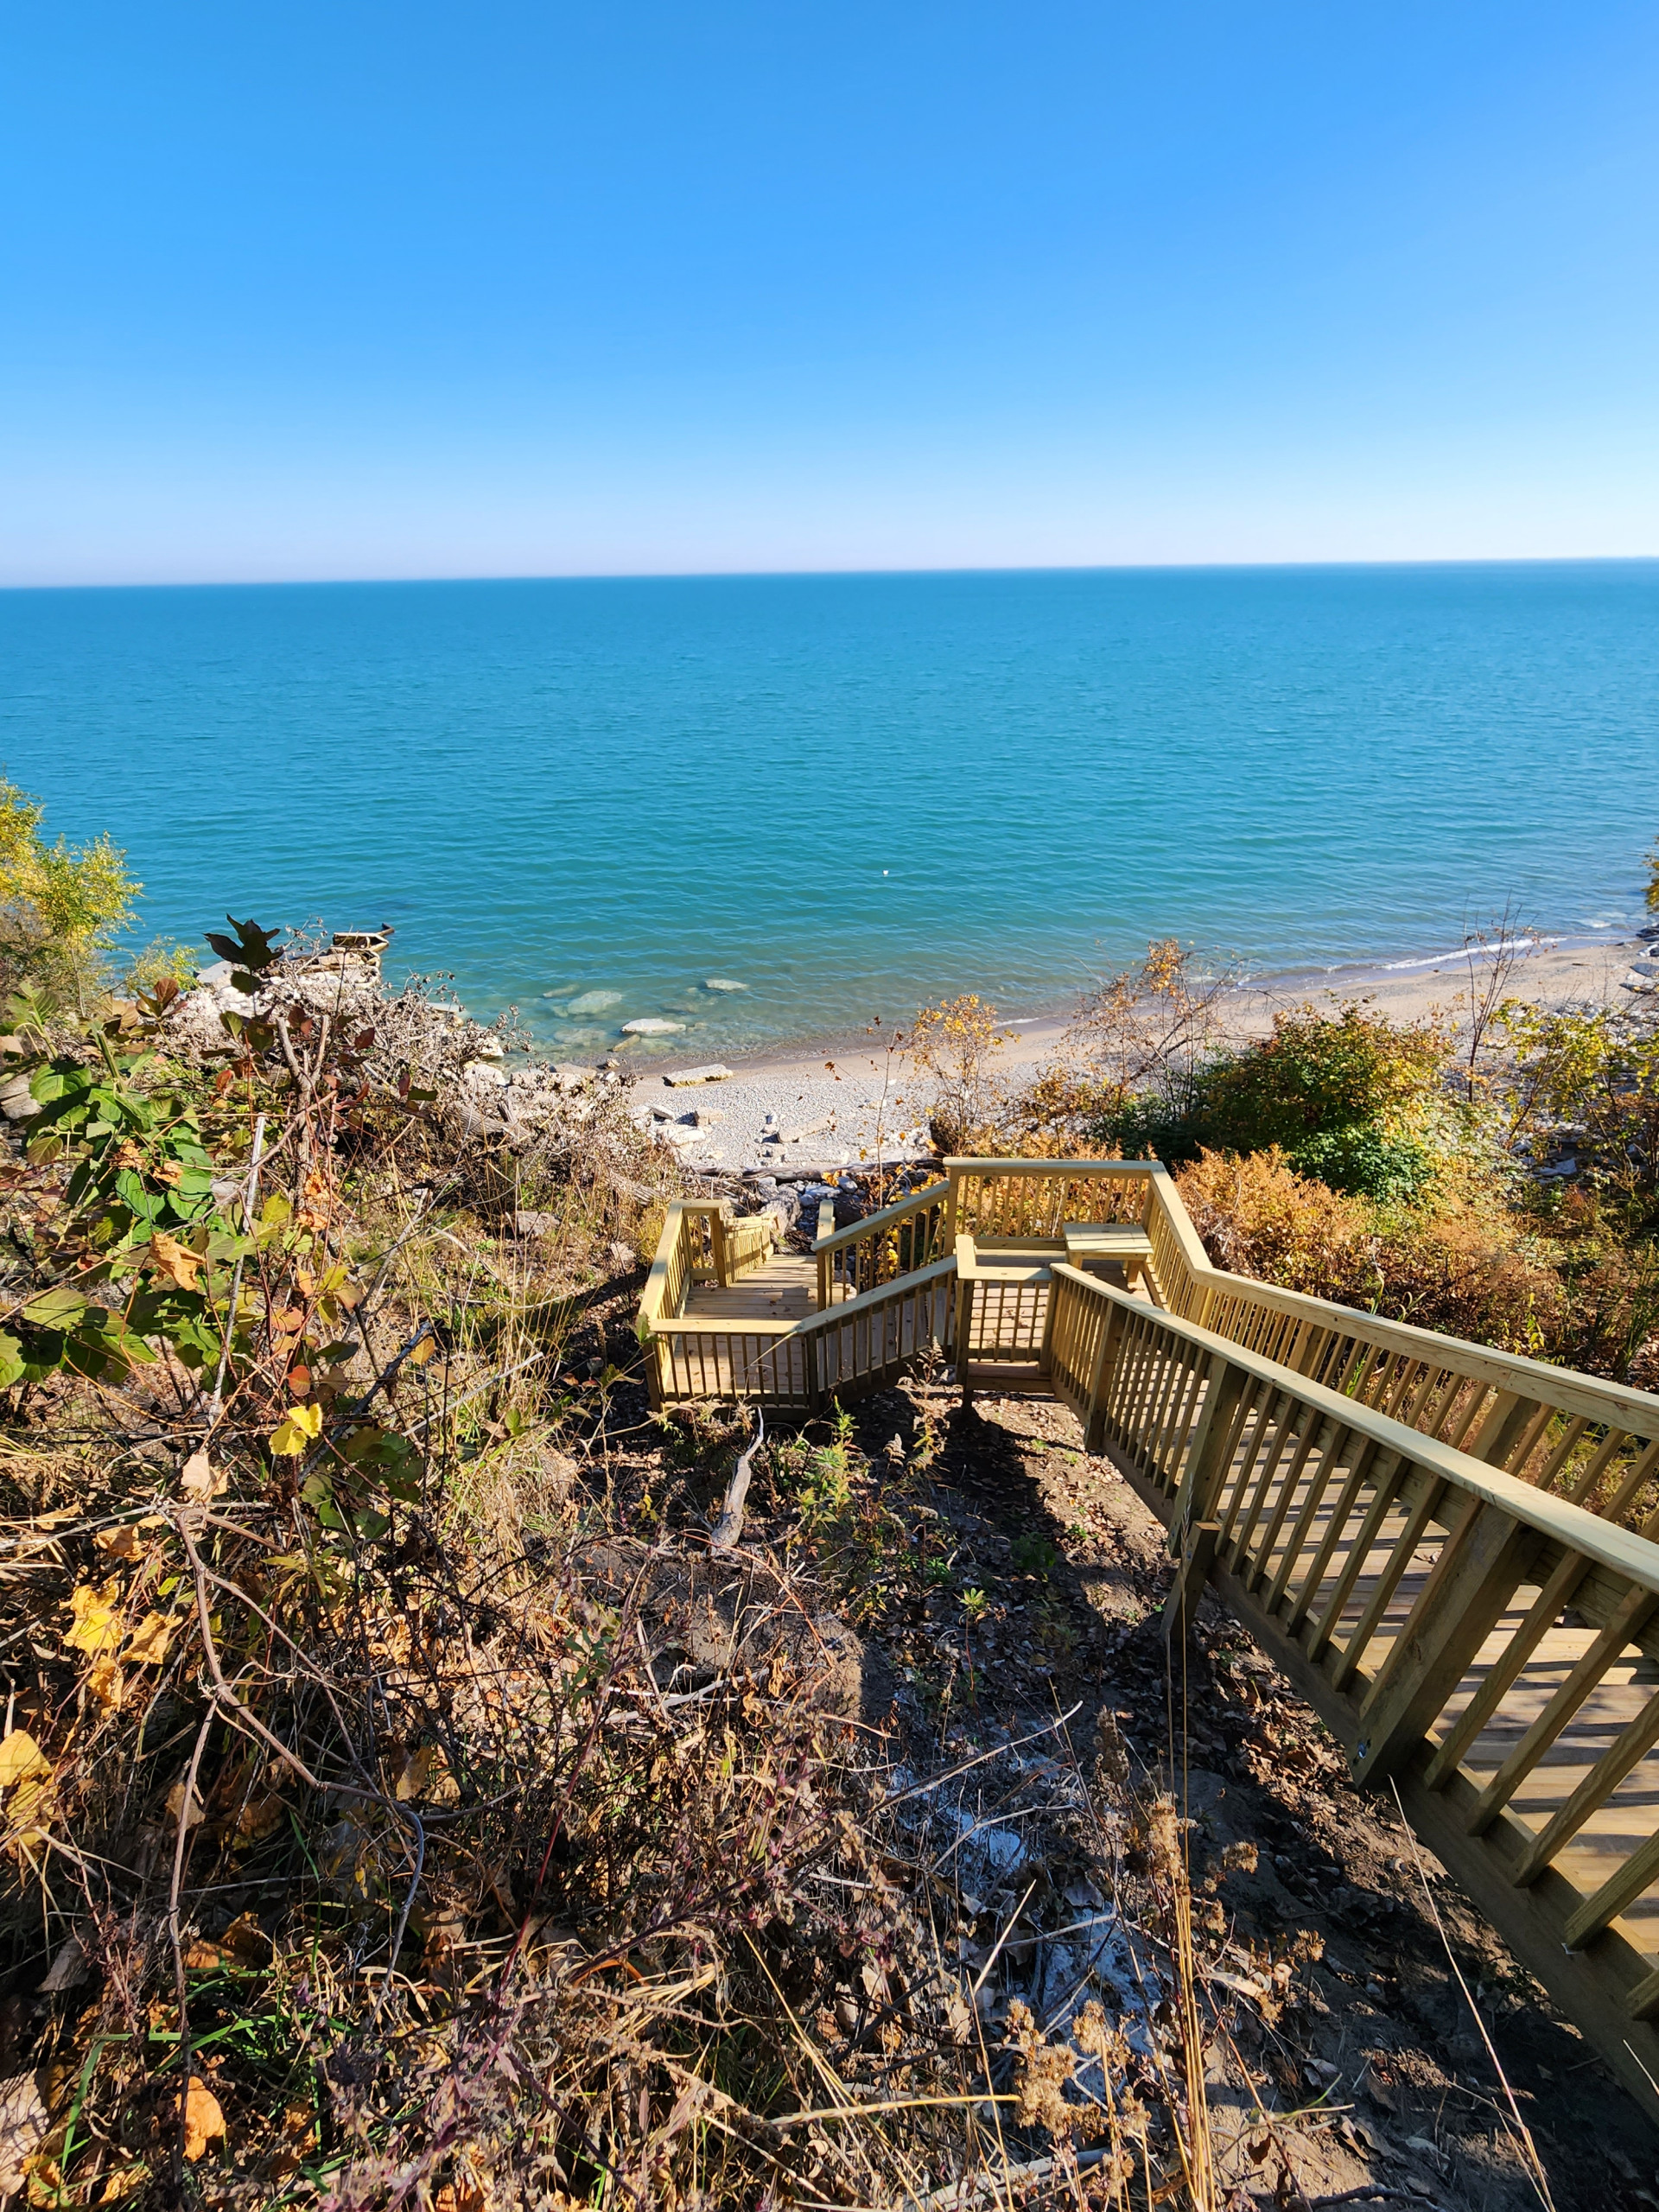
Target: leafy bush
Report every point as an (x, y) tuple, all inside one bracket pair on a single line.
[(62, 906), (951, 1048), (1361, 1159), (1348, 1097)]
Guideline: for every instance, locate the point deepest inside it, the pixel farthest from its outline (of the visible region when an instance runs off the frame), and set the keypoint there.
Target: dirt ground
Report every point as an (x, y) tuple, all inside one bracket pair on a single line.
[(1386, 2042)]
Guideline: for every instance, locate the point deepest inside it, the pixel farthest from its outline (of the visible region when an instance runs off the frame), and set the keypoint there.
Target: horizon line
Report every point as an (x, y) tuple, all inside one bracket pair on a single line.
[(807, 575)]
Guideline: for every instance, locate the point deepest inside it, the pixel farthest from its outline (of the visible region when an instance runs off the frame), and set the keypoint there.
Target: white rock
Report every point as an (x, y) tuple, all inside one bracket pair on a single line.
[(713, 1073), (652, 1026), (679, 1134), (17, 1101), (724, 983)]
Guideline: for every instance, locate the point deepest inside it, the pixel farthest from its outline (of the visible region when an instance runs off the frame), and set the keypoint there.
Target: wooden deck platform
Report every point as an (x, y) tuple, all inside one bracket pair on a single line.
[(782, 1288)]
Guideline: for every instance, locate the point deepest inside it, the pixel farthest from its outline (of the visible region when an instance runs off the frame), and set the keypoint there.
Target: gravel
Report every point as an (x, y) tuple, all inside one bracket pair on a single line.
[(794, 1102)]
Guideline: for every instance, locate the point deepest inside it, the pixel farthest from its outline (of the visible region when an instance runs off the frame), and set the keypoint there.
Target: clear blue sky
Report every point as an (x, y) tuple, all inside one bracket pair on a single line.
[(372, 290)]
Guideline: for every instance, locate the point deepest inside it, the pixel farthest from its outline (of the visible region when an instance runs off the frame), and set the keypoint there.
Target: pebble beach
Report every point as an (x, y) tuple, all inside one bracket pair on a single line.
[(848, 1102)]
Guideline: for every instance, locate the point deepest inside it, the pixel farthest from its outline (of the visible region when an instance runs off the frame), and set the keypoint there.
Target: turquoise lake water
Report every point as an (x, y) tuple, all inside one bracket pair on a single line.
[(849, 794)]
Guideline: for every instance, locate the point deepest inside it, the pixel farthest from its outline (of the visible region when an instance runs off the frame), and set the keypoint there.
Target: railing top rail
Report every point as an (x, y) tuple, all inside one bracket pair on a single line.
[(850, 1309), (716, 1325), (930, 1194), (1574, 1392), (1061, 1169), (1572, 1525), (1166, 1197), (656, 1289)]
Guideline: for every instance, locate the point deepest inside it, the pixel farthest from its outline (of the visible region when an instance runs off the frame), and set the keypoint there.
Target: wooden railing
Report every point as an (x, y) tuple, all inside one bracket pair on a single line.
[(1417, 1595), (1593, 1442), (867, 1341), (1036, 1198), (701, 1243), (893, 1242), (1574, 1436)]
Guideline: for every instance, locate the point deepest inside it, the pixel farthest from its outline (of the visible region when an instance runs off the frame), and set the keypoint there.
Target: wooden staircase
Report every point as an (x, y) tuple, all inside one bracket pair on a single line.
[(1451, 1551)]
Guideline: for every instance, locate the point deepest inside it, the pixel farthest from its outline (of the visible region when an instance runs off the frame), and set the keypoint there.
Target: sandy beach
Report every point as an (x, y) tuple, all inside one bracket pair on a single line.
[(841, 1100)]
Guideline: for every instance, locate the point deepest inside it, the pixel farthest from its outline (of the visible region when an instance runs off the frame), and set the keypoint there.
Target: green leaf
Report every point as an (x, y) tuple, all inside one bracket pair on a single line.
[(55, 1309), (11, 1361)]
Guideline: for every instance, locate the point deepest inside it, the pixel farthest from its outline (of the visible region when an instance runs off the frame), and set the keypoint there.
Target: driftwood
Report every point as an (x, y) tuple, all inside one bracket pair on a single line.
[(730, 1526)]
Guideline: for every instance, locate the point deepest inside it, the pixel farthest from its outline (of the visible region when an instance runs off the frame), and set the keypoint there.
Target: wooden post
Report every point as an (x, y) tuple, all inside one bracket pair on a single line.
[(1210, 1438), (964, 1316), (1197, 1557), (1452, 1619), (1094, 1426)]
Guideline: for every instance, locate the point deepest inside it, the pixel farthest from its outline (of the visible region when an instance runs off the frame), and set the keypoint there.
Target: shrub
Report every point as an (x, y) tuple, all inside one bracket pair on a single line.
[(1362, 1160), (951, 1048), (62, 906), (1350, 1097)]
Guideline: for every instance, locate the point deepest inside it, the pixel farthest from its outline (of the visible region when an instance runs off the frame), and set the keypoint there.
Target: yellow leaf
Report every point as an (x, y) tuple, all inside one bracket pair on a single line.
[(176, 1262), (149, 1641), (28, 1810), (97, 1626), (203, 1958), (124, 2183), (424, 1350), (106, 1683), (203, 2122), (299, 1426), (21, 1759)]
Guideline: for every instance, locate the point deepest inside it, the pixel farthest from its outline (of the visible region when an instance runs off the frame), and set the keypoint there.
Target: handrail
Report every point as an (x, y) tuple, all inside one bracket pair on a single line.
[(1572, 1391), (1597, 1442), (877, 1248), (1622, 1550), (1415, 1592), (991, 1197), (870, 1224)]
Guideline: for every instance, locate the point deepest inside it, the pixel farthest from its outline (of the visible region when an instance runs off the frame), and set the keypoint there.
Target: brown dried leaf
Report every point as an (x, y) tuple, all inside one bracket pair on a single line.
[(24, 2123), (127, 1542), (204, 2120), (198, 1479), (259, 1816), (175, 1805), (246, 1941), (176, 1262), (149, 1641)]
